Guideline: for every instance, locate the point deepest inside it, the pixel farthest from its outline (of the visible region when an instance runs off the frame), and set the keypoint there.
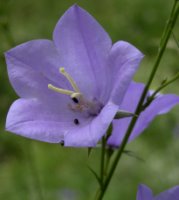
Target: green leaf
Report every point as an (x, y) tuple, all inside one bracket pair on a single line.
[(122, 114), (109, 131), (133, 154), (95, 174), (89, 151)]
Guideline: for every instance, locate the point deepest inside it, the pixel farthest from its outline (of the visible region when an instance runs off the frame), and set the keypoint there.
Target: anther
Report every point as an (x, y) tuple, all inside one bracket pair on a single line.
[(76, 121), (75, 100)]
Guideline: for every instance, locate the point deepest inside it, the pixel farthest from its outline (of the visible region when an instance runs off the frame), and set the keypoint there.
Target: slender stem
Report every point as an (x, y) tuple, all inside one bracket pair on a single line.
[(164, 85), (116, 159), (102, 160), (109, 152), (109, 155), (162, 47), (152, 97)]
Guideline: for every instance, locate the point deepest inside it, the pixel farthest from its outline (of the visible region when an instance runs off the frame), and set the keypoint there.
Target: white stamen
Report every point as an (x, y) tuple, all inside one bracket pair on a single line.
[(81, 104), (59, 90), (74, 94), (70, 79)]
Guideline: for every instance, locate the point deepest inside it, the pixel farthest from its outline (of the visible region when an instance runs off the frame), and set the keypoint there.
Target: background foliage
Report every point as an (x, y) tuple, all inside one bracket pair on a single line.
[(31, 169)]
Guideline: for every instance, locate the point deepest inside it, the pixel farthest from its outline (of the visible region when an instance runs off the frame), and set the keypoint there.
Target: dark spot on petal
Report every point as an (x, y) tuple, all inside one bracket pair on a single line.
[(76, 121), (62, 143), (75, 100)]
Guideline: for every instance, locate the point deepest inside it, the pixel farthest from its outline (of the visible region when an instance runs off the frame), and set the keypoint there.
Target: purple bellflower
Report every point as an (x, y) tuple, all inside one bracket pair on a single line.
[(160, 105), (145, 193), (70, 88)]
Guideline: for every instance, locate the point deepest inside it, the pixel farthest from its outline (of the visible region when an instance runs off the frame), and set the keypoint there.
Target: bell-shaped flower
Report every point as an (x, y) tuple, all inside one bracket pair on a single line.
[(70, 88), (145, 193), (160, 105)]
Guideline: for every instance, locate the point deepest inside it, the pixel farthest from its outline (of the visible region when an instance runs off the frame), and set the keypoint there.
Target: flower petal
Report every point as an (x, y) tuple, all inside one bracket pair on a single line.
[(83, 46), (144, 193), (124, 60), (129, 103), (161, 105), (171, 194), (33, 119), (89, 134), (32, 66)]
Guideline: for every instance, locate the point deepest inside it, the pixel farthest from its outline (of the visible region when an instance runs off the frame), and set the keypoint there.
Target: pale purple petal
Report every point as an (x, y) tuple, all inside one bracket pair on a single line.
[(91, 133), (171, 194), (32, 66), (33, 119), (83, 46), (129, 103), (124, 60), (161, 105), (144, 193)]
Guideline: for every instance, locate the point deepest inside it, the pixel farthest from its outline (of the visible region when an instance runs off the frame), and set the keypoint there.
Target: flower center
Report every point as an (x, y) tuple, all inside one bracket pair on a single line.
[(81, 104)]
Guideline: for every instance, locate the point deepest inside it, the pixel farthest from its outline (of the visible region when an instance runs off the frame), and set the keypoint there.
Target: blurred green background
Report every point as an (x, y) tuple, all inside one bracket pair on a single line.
[(31, 169)]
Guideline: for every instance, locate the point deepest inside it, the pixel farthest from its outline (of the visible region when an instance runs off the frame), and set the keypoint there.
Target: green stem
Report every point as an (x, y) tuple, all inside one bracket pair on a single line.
[(152, 97), (162, 47), (164, 85), (109, 155), (102, 160)]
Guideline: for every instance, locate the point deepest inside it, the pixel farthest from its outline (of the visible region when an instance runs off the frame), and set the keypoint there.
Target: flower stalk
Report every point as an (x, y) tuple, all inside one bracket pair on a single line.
[(163, 85), (102, 160), (164, 40)]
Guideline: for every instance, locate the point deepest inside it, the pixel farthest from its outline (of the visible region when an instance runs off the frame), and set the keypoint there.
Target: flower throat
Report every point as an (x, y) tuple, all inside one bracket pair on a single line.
[(82, 105)]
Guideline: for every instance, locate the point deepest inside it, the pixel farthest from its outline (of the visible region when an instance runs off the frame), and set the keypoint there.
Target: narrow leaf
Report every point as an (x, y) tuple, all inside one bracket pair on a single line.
[(109, 131), (95, 174), (133, 154), (122, 114), (89, 151)]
